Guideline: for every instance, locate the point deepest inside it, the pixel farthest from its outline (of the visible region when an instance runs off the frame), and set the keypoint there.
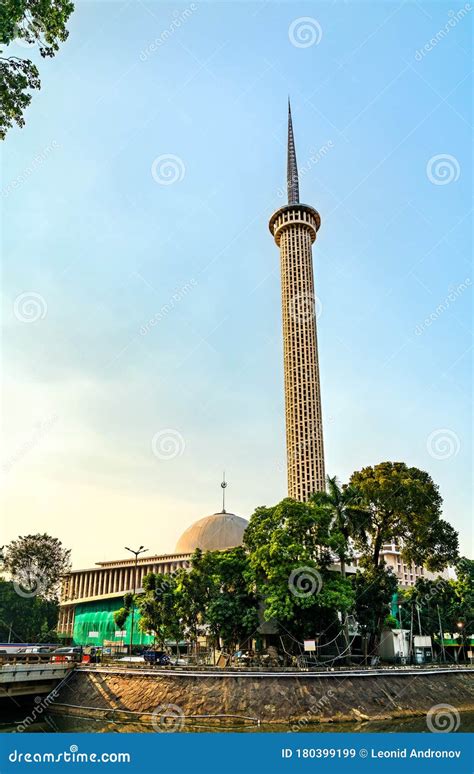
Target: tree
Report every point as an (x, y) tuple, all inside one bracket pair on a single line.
[(192, 591), (158, 609), (36, 564), (348, 518), (374, 589), (404, 505), (442, 604), (231, 609), (41, 23), (26, 618), (348, 521), (289, 557), (121, 615)]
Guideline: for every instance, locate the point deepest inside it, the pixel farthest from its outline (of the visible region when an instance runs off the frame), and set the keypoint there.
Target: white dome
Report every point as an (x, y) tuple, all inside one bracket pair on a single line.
[(213, 533)]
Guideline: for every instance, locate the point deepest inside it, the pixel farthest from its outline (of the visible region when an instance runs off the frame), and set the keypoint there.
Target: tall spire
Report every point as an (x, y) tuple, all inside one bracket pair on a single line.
[(292, 167), (223, 485)]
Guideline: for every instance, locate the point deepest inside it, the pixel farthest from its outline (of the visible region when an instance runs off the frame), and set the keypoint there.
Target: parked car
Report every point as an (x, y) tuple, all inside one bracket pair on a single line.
[(157, 657)]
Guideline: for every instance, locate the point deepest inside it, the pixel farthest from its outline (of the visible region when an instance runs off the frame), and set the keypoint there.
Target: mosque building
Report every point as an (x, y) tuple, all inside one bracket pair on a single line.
[(90, 597)]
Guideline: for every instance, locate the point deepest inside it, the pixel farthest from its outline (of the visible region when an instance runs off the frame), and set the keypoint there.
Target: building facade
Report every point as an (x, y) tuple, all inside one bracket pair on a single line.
[(87, 594), (294, 228), (89, 598), (406, 574)]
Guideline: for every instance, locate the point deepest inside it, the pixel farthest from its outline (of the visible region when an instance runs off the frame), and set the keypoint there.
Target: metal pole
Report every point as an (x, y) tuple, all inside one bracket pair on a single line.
[(133, 602), (419, 620), (141, 550), (402, 649), (443, 652)]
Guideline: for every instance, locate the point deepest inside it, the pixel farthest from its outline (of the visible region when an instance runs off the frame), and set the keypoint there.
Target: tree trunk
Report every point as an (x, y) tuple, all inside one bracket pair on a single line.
[(377, 547)]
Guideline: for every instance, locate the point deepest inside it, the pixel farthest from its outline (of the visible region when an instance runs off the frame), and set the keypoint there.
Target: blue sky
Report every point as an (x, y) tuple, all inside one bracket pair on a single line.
[(382, 127)]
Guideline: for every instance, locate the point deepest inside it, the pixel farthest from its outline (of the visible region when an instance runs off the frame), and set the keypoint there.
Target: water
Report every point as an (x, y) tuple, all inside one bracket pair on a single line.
[(67, 723)]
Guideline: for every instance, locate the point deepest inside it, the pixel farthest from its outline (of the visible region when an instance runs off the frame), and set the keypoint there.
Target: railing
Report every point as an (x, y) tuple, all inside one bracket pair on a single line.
[(244, 669), (38, 658)]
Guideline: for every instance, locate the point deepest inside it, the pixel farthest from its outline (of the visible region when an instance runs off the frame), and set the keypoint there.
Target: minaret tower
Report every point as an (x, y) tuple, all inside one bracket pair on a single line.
[(294, 228)]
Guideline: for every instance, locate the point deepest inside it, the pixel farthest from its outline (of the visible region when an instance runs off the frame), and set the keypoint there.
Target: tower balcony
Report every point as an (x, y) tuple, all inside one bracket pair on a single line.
[(294, 215)]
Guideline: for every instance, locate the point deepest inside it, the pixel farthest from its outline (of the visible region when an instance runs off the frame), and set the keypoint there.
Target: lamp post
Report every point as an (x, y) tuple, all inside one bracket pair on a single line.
[(402, 649), (441, 635), (141, 550)]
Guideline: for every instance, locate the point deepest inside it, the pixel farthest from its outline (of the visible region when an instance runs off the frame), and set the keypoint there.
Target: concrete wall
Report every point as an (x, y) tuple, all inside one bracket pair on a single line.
[(289, 698)]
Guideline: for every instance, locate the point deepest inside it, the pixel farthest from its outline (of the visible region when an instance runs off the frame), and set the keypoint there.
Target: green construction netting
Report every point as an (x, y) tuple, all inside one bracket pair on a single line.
[(94, 623)]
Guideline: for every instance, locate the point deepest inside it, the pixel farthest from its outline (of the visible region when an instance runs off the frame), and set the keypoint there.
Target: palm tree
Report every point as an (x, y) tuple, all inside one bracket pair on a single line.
[(348, 518)]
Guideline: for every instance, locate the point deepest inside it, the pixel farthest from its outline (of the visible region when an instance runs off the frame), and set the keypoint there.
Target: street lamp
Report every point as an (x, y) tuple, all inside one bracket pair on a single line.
[(141, 550), (402, 648)]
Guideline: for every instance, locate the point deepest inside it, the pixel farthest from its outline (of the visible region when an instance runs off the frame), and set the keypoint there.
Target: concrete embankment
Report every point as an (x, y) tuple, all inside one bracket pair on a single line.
[(286, 697)]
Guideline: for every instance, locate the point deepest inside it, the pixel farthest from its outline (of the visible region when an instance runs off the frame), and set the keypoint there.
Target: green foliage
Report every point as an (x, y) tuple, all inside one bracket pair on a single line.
[(374, 589), (215, 595), (289, 548), (230, 608), (36, 563), (158, 608), (451, 601), (120, 617), (41, 23), (192, 589), (348, 518), (211, 596), (404, 505), (26, 619)]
